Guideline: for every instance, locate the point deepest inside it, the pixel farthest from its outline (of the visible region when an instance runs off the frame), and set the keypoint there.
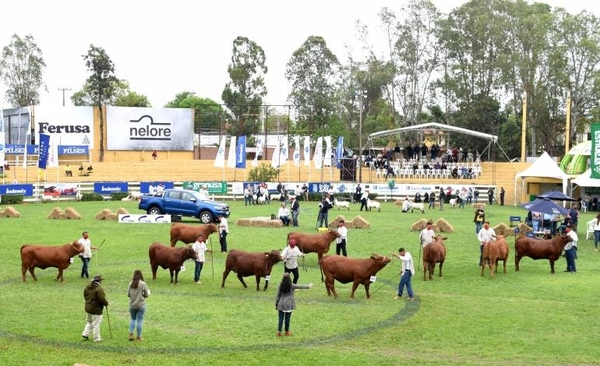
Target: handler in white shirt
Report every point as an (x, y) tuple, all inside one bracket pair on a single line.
[(485, 236)]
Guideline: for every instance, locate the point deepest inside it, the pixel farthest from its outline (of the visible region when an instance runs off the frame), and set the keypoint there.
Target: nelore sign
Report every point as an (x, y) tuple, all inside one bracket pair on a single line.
[(150, 128), (66, 125)]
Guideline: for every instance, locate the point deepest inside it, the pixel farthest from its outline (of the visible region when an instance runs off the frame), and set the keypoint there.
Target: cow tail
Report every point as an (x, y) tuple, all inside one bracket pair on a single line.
[(321, 269)]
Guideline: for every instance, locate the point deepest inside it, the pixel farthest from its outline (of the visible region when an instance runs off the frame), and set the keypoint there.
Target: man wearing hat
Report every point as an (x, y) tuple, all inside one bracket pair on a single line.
[(295, 208), (95, 301), (290, 259)]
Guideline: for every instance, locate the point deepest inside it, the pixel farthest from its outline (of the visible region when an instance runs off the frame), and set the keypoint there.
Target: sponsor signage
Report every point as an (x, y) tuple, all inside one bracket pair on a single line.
[(20, 189), (67, 125), (212, 187), (73, 150), (130, 128), (143, 219), (595, 153), (19, 149), (151, 187), (111, 187)]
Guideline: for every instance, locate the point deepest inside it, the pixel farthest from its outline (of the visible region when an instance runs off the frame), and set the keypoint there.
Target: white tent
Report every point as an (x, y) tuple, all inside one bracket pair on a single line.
[(543, 167), (586, 180), (437, 126)]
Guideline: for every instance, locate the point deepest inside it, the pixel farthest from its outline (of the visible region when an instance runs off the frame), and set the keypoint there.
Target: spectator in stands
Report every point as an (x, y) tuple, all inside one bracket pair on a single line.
[(424, 151), (437, 166), (90, 169), (154, 154), (81, 169), (415, 167), (426, 167), (390, 171), (409, 151), (475, 195), (460, 155), (284, 215), (464, 172), (68, 171), (455, 173), (426, 197), (417, 152), (434, 151), (490, 194)]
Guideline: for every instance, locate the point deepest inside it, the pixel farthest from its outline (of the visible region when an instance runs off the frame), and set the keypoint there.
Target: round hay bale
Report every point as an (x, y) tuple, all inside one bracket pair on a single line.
[(523, 228), (72, 214), (398, 202), (503, 229), (102, 214), (111, 216), (259, 222), (444, 226), (360, 223), (56, 213), (419, 225), (335, 222), (11, 212), (122, 211)]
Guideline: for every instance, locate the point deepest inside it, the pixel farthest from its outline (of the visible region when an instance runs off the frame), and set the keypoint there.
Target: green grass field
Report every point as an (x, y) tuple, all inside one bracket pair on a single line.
[(529, 317)]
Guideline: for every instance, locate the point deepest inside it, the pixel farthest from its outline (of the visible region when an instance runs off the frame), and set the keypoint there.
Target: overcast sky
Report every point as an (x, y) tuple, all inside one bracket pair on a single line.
[(165, 47)]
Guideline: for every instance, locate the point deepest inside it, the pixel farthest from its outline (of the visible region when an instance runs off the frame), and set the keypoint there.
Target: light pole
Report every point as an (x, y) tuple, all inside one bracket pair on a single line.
[(361, 94)]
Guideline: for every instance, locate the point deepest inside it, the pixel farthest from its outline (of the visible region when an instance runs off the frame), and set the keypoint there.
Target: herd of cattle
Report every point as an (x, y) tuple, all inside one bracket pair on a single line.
[(333, 267)]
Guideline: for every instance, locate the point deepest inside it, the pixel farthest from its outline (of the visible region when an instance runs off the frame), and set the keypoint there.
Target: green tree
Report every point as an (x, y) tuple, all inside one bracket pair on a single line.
[(243, 95), (100, 88), (209, 116), (132, 99), (263, 173), (123, 96), (313, 72), (22, 67)]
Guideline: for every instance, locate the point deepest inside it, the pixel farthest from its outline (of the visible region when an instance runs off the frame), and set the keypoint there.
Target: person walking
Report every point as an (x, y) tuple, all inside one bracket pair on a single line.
[(86, 255), (223, 231), (200, 248), (324, 207), (363, 200), (571, 249), (340, 246), (138, 292), (427, 235), (285, 303), (442, 198), (502, 192), (432, 201), (407, 270), (479, 219), (485, 236), (596, 231), (295, 209), (95, 301), (290, 259)]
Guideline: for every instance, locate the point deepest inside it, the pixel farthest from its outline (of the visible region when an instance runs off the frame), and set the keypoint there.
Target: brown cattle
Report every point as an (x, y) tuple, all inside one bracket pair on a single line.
[(314, 243), (43, 257), (357, 271), (535, 248), (493, 252), (251, 264), (433, 253), (189, 233), (171, 258)]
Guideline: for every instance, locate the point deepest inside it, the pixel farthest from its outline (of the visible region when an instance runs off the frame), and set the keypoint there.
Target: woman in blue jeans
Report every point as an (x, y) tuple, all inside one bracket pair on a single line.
[(138, 292), (596, 232)]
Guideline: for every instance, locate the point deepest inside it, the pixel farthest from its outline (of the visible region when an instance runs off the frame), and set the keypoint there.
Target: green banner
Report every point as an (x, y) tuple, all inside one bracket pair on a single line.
[(212, 187), (595, 153)]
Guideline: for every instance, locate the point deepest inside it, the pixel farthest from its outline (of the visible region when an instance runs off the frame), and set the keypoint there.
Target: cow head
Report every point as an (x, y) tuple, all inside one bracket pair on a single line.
[(333, 234), (190, 252), (75, 244), (212, 228), (381, 258), (274, 256)]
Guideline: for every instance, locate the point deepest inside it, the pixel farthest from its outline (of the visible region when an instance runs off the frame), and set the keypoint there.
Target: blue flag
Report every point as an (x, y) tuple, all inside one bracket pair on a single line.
[(240, 153), (339, 152), (43, 151)]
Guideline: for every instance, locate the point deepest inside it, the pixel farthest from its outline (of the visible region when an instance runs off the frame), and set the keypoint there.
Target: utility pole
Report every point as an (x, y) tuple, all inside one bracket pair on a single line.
[(63, 93), (361, 94)]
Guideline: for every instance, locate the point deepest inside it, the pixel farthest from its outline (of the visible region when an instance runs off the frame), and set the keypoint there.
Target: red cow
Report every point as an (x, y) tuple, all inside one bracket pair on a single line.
[(314, 243), (357, 271), (493, 252), (251, 264), (433, 253), (189, 233), (535, 248), (43, 257), (171, 258)]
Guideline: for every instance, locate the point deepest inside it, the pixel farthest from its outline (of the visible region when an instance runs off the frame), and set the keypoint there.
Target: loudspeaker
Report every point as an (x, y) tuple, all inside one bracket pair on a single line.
[(348, 170)]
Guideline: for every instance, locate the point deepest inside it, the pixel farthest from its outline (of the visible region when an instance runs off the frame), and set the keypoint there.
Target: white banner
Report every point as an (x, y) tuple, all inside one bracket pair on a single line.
[(52, 161), (143, 219), (327, 159), (231, 156), (297, 151), (220, 158), (318, 156), (130, 128), (70, 125), (306, 150), (283, 158), (259, 148), (275, 159)]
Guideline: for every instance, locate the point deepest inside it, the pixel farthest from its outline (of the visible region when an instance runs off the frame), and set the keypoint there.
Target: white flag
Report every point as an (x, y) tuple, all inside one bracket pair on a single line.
[(259, 147), (220, 159), (318, 156), (276, 154), (2, 139), (52, 152), (306, 150), (327, 159), (297, 151), (231, 157), (284, 150)]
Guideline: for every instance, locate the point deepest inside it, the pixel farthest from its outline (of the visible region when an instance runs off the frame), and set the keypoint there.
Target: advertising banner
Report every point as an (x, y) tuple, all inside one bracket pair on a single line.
[(21, 189), (212, 187), (44, 150), (151, 187), (143, 219), (595, 153), (70, 125), (130, 128), (111, 187)]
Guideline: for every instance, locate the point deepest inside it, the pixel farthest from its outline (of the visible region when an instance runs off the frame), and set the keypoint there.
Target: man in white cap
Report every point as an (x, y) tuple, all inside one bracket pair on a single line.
[(95, 301)]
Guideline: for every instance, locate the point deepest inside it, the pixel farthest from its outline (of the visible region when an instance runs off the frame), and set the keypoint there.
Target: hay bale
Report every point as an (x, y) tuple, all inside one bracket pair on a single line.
[(523, 228), (503, 229), (335, 222), (360, 223), (477, 205), (419, 225), (398, 202), (443, 226), (11, 212), (56, 213), (102, 214), (72, 214), (259, 222), (111, 216), (122, 211)]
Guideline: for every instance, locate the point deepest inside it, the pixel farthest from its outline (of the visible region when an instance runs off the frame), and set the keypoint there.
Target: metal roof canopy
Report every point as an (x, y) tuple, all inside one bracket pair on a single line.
[(434, 125)]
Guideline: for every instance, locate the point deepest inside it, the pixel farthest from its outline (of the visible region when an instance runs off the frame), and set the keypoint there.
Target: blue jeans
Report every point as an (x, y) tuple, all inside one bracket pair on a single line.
[(323, 221), (84, 268), (570, 256), (478, 226), (137, 320), (405, 280), (287, 316), (198, 270), (596, 238), (295, 217)]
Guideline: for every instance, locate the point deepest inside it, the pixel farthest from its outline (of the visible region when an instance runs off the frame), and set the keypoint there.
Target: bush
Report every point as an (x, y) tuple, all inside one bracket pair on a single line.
[(12, 199), (91, 197), (118, 196), (263, 173)]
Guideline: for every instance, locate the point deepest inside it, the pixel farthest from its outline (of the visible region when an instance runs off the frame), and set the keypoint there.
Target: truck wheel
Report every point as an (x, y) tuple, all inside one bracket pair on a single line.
[(154, 211), (205, 217)]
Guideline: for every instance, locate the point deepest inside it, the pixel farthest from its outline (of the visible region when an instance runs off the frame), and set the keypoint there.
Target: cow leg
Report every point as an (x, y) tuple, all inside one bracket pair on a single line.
[(441, 265), (482, 270), (32, 271), (355, 286), (24, 273), (60, 275), (171, 273), (491, 264), (225, 274), (154, 269), (504, 262), (258, 283), (176, 276), (551, 265), (425, 271), (517, 260), (367, 290), (266, 282), (241, 278), (331, 287)]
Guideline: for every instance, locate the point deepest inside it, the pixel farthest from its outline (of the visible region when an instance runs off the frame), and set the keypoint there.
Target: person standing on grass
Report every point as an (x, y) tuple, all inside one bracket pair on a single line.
[(427, 235), (502, 192), (340, 246), (479, 219), (571, 249), (290, 259), (407, 270), (86, 255), (596, 223), (295, 209), (285, 303), (200, 248), (223, 231), (363, 200), (485, 236), (95, 301), (138, 292)]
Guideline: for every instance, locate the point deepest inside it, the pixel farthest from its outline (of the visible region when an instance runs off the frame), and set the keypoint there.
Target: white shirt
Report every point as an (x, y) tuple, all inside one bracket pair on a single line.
[(200, 248), (407, 263), (290, 257), (223, 225), (427, 236), (596, 224), (406, 205), (486, 235), (283, 212), (87, 247), (364, 196), (343, 231), (573, 243)]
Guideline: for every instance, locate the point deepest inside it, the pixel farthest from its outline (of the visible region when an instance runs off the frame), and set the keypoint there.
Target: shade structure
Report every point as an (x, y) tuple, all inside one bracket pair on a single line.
[(556, 196), (545, 206)]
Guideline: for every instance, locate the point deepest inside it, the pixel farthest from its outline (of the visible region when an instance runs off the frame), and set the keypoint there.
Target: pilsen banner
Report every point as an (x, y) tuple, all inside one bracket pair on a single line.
[(595, 158)]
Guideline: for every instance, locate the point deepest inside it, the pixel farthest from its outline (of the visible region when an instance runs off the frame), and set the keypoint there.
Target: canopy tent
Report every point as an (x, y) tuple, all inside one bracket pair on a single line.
[(433, 125), (586, 180), (543, 167)]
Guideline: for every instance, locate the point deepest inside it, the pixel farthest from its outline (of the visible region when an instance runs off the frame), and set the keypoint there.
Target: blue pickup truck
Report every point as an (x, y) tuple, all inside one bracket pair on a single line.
[(180, 202)]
